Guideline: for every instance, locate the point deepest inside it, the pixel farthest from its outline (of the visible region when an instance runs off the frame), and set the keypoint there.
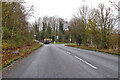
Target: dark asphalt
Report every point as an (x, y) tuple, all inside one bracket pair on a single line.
[(59, 61)]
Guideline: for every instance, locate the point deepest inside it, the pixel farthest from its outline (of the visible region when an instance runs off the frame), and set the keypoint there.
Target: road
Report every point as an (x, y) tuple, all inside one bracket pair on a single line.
[(59, 61)]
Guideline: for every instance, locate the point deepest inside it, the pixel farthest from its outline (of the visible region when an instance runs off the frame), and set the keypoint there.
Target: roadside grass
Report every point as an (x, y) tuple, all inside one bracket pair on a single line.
[(94, 49), (57, 43), (23, 53), (62, 43)]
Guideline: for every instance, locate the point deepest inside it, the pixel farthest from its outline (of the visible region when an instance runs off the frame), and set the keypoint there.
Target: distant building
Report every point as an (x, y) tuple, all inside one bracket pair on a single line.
[(66, 25)]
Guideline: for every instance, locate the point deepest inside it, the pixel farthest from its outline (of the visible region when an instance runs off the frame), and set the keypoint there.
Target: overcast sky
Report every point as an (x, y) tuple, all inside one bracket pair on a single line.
[(61, 8)]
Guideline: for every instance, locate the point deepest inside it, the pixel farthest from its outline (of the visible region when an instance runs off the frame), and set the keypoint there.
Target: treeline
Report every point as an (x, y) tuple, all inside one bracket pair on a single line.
[(89, 27), (95, 27), (51, 27), (16, 32)]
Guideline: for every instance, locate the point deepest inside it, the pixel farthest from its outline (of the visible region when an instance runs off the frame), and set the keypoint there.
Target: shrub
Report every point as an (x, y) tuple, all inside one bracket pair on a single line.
[(5, 45)]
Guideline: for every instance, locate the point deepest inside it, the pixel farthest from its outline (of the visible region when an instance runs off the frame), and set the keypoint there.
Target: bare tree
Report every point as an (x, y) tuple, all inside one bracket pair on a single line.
[(115, 4)]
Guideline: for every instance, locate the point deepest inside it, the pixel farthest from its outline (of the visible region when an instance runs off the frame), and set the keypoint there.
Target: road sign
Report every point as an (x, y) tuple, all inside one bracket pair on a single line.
[(70, 39), (57, 37)]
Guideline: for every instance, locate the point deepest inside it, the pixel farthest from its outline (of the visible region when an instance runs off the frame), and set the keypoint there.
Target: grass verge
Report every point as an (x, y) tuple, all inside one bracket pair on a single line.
[(62, 43), (24, 52), (94, 49)]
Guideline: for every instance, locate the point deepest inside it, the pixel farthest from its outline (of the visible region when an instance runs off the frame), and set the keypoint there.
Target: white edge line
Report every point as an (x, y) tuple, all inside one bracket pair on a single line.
[(86, 62)]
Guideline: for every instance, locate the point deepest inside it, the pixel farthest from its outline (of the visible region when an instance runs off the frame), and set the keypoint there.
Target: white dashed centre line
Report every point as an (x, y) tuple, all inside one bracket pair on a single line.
[(85, 62), (68, 52)]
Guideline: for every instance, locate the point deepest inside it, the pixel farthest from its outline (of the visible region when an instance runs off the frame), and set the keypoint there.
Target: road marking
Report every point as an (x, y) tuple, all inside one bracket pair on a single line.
[(85, 62), (68, 52)]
